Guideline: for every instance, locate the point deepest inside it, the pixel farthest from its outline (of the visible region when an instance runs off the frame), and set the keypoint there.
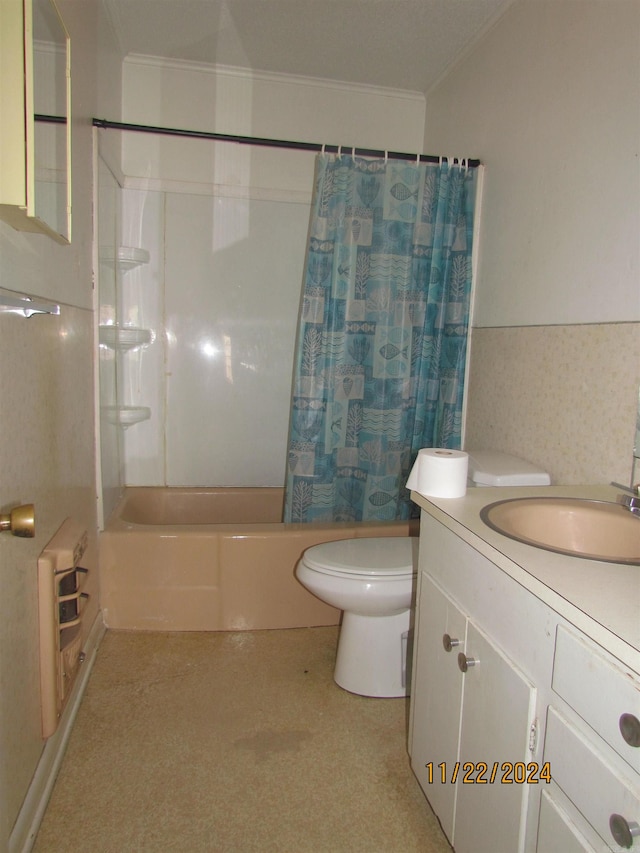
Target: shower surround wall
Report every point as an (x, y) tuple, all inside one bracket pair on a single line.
[(221, 294), (225, 227)]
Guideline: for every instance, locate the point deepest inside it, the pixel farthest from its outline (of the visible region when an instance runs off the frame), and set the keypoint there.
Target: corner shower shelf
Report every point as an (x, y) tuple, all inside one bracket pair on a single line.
[(126, 416), (124, 257), (123, 338)]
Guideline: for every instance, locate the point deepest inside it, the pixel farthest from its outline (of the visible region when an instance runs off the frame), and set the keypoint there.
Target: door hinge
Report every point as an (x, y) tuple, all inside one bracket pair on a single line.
[(533, 737)]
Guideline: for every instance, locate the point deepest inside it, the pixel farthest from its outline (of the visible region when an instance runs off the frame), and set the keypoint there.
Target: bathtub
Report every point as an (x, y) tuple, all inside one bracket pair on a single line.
[(185, 559)]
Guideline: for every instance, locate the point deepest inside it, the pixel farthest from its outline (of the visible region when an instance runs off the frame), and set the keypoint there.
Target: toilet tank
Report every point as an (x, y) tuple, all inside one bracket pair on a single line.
[(493, 468)]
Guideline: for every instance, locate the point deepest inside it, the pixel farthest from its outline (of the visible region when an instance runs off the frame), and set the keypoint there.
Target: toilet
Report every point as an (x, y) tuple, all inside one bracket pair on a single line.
[(372, 580)]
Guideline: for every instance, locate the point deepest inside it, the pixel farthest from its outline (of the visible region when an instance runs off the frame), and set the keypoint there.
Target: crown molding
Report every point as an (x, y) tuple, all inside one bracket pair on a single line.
[(238, 73)]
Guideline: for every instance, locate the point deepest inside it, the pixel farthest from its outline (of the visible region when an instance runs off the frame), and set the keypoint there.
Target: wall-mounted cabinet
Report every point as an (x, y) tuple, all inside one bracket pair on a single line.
[(35, 144)]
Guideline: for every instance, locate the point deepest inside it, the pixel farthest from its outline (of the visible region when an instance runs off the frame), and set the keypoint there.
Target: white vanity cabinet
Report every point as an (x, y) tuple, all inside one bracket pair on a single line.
[(532, 729), (482, 712)]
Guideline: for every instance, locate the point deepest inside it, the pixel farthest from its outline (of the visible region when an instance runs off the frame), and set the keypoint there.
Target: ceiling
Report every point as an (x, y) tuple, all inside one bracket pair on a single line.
[(401, 44)]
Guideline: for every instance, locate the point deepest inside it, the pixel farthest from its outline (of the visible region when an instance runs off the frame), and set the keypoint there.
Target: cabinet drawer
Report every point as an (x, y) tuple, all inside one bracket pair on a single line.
[(556, 831), (596, 790), (599, 689)]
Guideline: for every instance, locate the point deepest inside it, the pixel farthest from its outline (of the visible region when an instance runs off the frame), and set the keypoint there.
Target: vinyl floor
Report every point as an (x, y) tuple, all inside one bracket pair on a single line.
[(234, 743)]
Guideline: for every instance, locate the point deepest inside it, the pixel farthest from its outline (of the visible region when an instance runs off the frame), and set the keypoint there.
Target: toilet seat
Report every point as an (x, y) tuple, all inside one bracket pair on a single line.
[(382, 557)]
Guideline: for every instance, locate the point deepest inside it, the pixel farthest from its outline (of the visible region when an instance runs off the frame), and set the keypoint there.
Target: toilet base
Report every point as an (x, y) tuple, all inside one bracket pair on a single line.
[(372, 655)]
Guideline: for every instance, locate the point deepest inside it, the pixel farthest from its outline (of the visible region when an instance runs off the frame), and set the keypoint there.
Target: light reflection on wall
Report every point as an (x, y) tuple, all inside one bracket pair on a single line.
[(210, 350)]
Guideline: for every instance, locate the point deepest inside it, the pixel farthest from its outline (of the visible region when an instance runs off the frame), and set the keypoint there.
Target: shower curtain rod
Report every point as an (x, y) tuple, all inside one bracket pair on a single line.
[(275, 143)]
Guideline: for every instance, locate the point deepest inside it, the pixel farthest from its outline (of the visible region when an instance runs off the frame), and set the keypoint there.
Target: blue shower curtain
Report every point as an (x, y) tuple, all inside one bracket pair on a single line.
[(380, 360)]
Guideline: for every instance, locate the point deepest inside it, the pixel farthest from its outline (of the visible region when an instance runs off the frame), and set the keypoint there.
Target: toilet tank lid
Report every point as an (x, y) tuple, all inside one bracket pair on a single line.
[(493, 468)]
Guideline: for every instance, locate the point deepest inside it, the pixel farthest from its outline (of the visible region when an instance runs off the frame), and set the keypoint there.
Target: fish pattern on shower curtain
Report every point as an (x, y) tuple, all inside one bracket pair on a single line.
[(380, 360)]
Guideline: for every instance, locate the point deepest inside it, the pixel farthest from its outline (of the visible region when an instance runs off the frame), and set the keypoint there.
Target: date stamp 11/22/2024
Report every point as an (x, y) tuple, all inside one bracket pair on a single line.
[(483, 773)]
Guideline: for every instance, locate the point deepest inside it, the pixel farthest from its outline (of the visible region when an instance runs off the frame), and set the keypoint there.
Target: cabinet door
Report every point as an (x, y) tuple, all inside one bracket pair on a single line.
[(436, 697), (497, 714)]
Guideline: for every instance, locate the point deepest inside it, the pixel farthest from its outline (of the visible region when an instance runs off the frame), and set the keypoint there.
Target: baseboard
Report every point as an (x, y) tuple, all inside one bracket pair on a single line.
[(33, 808)]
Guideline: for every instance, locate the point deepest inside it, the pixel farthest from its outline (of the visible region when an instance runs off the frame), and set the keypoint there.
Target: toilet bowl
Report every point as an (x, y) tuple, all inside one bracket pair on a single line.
[(372, 581)]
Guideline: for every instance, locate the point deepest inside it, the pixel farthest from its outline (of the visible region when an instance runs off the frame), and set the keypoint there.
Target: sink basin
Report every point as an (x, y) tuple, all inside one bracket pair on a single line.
[(593, 530)]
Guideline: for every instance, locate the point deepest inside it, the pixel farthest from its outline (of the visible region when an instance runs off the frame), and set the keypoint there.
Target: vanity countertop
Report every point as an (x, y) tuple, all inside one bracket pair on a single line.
[(602, 599)]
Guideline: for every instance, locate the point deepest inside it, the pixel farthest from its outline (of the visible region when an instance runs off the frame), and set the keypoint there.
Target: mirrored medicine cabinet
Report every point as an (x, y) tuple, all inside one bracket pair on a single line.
[(35, 117)]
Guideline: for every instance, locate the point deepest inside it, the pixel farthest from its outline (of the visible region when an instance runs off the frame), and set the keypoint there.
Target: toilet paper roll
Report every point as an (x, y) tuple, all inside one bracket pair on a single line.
[(439, 473)]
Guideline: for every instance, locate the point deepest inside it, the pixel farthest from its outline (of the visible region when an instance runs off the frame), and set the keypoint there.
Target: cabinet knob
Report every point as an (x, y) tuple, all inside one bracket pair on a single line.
[(630, 729), (623, 831), (449, 642), (464, 662)]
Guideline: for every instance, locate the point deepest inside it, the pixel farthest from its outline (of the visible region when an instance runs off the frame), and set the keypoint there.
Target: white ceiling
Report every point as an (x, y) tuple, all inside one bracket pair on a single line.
[(402, 44)]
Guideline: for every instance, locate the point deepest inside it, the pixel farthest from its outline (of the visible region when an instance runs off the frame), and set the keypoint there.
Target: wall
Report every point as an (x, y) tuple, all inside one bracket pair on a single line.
[(226, 228), (548, 99), (46, 420)]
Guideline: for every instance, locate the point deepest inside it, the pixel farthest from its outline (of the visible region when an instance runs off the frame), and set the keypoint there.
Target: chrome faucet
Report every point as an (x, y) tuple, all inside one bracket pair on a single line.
[(631, 499)]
